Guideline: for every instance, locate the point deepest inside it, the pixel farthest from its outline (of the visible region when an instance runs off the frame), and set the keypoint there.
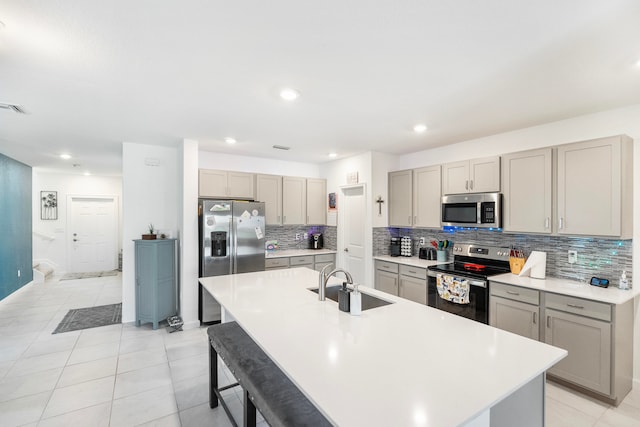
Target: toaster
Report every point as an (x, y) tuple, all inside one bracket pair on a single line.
[(427, 253)]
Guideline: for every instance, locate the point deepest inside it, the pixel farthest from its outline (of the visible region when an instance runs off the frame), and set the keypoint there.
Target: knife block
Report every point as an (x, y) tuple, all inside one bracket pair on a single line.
[(516, 264)]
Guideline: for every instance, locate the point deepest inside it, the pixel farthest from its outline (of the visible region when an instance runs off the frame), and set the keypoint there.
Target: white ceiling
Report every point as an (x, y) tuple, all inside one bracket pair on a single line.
[(93, 73)]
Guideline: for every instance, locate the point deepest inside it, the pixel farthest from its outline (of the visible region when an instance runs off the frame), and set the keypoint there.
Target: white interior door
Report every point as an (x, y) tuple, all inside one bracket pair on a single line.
[(353, 216), (92, 225)]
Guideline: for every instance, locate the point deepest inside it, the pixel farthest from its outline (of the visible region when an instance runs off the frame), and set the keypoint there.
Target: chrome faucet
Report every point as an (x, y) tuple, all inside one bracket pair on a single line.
[(324, 278)]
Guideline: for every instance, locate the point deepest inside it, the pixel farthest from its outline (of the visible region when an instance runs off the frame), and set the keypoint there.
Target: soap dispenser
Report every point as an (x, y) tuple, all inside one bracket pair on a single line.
[(624, 283), (344, 297), (356, 301)]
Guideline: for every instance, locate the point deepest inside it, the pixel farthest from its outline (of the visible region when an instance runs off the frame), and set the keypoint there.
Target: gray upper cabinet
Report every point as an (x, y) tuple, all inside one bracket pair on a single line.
[(527, 191), (226, 184), (400, 198), (294, 200), (316, 201), (427, 197), (269, 191), (471, 176), (595, 187)]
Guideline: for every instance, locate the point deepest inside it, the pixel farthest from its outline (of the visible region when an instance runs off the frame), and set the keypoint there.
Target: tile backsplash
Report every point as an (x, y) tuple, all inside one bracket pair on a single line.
[(605, 258), (286, 235)]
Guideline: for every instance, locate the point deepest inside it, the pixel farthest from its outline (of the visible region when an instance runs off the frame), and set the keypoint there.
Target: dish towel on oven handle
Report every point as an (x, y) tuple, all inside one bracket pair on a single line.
[(452, 289)]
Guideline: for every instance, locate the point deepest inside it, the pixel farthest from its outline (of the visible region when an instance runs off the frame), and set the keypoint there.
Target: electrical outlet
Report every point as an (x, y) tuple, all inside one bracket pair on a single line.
[(297, 236), (18, 273), (572, 256), (306, 236), (423, 241)]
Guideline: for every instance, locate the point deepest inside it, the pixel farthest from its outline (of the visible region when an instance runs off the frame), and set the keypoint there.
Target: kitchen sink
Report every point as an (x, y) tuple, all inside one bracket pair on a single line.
[(368, 301)]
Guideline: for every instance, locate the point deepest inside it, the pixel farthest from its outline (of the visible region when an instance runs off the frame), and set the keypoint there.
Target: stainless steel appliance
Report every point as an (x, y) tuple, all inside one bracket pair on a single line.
[(482, 210), (473, 265), (231, 241), (316, 241)]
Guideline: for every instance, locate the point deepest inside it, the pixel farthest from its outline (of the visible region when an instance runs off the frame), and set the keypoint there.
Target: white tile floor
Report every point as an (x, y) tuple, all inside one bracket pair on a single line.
[(122, 375)]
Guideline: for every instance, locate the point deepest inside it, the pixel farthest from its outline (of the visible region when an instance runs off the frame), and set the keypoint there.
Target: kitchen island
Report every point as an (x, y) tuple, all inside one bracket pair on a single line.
[(401, 364)]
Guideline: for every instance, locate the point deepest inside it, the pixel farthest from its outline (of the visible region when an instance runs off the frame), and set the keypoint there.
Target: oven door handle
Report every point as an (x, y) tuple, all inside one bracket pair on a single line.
[(472, 282)]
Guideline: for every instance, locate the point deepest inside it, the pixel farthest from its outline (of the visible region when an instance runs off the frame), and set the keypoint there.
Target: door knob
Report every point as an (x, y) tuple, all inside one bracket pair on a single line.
[(346, 249)]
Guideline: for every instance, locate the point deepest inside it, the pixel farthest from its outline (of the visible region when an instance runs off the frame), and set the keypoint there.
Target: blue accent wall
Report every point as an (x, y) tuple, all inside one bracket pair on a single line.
[(15, 225)]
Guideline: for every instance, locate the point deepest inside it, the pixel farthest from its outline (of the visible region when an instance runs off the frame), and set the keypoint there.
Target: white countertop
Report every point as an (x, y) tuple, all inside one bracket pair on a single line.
[(413, 261), (282, 253), (611, 295), (403, 364)]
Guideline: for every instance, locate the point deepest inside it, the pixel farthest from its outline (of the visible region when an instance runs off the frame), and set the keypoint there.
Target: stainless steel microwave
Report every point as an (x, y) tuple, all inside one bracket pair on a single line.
[(481, 210)]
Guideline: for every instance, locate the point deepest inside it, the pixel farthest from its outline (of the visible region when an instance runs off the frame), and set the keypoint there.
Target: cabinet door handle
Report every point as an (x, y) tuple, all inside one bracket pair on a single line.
[(471, 185), (412, 272), (575, 306), (466, 185), (534, 317), (409, 220), (548, 321), (278, 220), (561, 223), (546, 223), (513, 293), (307, 219), (415, 219), (284, 218)]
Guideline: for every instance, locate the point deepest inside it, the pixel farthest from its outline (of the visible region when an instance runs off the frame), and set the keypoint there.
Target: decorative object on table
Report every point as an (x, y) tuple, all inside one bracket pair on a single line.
[(516, 260), (405, 246), (175, 323), (602, 283), (535, 265), (152, 235), (90, 317), (49, 205)]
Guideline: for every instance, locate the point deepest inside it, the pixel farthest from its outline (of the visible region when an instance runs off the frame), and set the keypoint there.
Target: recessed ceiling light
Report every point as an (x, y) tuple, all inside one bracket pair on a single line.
[(289, 94), (230, 140), (65, 156), (419, 128), (87, 173), (333, 154)]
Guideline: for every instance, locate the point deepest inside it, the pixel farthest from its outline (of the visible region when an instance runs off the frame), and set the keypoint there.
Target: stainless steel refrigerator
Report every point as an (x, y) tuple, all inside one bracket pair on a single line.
[(231, 241)]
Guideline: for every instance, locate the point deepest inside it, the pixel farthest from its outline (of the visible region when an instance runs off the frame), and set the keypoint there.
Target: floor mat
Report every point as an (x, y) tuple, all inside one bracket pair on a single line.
[(90, 317), (73, 276)]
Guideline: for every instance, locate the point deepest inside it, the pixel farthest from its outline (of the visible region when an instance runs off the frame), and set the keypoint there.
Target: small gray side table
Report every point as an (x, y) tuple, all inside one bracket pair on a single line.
[(156, 280)]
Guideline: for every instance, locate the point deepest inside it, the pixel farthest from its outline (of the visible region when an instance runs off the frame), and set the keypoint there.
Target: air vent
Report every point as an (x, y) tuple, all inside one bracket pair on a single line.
[(13, 107), (281, 147)]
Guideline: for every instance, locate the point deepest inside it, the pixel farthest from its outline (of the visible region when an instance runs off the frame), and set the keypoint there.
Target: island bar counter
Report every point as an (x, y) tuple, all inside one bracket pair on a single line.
[(402, 364)]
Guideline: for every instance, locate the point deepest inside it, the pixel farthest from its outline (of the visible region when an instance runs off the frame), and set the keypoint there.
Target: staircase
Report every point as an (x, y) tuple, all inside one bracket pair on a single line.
[(41, 272)]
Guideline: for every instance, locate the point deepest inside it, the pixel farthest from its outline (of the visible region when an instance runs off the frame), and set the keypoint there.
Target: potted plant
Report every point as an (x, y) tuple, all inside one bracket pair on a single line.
[(151, 235)]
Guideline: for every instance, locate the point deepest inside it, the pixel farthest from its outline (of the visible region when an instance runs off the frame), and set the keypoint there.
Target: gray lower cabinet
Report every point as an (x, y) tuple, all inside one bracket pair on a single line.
[(515, 310), (386, 279), (276, 263), (156, 280), (413, 284), (315, 262), (301, 261), (322, 260)]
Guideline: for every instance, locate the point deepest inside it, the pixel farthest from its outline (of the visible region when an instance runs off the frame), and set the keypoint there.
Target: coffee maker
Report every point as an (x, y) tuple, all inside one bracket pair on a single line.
[(394, 246), (316, 241)]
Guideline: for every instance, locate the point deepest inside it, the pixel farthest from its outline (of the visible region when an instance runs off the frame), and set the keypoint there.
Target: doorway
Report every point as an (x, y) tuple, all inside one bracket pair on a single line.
[(351, 238), (92, 225)]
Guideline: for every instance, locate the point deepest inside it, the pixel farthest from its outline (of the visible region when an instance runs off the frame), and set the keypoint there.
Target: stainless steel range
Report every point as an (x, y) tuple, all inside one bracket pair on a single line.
[(462, 287)]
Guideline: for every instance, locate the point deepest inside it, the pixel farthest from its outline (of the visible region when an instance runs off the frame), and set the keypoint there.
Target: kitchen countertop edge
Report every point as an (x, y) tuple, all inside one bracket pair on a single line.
[(286, 253)]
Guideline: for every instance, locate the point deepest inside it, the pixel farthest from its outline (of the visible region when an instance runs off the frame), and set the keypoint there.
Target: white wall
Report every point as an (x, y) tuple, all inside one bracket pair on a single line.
[(336, 175), (55, 251), (230, 162), (607, 123), (188, 234), (380, 186), (150, 195)]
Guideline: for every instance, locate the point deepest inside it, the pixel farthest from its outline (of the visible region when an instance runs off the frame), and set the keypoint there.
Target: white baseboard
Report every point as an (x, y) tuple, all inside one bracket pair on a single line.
[(15, 293), (191, 325)]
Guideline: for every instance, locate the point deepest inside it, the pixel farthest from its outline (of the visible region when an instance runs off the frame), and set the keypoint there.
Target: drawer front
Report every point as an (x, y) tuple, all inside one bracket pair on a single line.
[(516, 293), (325, 258), (296, 261), (417, 272), (276, 263), (387, 266), (582, 307)]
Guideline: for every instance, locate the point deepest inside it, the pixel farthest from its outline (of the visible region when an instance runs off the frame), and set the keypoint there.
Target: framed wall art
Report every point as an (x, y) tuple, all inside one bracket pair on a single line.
[(48, 205)]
